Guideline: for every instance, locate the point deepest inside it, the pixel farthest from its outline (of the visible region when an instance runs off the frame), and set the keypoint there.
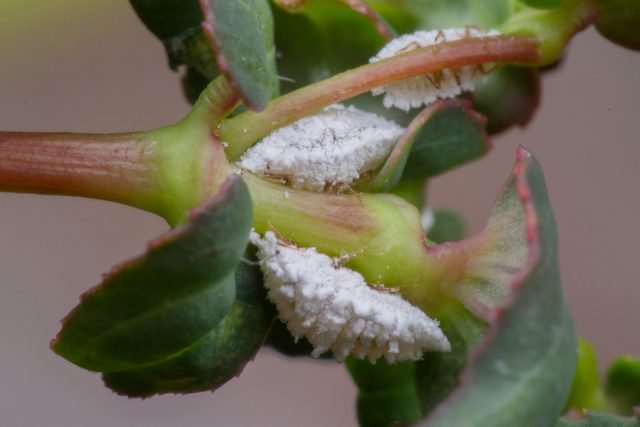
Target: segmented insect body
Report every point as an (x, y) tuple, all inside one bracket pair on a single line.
[(329, 150), (423, 90), (335, 309)]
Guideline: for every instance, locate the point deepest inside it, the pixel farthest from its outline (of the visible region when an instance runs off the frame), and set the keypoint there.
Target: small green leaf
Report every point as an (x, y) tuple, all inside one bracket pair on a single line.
[(156, 305), (281, 340), (599, 419), (448, 226), (619, 21), (177, 23), (585, 390), (507, 96), (542, 4), (386, 393), (215, 358), (440, 14), (241, 33), (450, 138), (622, 385), (344, 34), (552, 27), (437, 374), (444, 135), (521, 373)]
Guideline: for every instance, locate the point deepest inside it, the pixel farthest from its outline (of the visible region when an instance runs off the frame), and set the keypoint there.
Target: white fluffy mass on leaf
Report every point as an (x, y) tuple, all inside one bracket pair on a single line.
[(425, 89), (335, 309), (323, 151)]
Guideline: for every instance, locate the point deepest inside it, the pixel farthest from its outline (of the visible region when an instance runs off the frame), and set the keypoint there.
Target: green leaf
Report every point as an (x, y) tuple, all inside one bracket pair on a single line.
[(585, 389), (552, 27), (437, 374), (215, 358), (241, 33), (430, 129), (281, 340), (448, 226), (177, 23), (542, 4), (158, 304), (450, 138), (521, 373), (619, 21), (622, 385), (386, 393), (599, 419), (343, 34), (441, 14), (236, 38), (507, 96)]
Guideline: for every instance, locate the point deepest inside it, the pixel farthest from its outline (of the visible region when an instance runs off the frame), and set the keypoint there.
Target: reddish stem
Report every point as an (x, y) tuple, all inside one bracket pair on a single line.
[(111, 167), (247, 128)]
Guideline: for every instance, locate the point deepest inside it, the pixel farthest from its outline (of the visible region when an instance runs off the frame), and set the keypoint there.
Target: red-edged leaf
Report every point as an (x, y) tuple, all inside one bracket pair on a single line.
[(521, 372), (156, 305)]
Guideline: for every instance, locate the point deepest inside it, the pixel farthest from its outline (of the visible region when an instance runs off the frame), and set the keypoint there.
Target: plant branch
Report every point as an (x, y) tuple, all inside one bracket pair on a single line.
[(245, 129), (111, 167)]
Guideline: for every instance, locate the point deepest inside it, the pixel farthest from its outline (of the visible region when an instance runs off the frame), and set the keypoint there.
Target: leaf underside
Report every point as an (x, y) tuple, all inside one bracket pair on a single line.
[(151, 308), (215, 358), (527, 359), (203, 35), (599, 419), (519, 371)]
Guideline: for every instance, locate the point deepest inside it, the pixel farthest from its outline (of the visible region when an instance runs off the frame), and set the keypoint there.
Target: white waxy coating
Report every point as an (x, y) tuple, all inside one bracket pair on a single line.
[(423, 90), (335, 309), (333, 147)]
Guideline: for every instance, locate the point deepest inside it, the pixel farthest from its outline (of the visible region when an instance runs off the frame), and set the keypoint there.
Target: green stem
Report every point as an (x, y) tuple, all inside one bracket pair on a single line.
[(245, 129), (381, 233), (552, 27), (166, 171)]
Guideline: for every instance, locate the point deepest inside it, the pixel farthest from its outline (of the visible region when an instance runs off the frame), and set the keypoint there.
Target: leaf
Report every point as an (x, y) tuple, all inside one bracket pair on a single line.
[(542, 4), (507, 96), (386, 393), (449, 138), (440, 14), (218, 356), (599, 419), (437, 374), (158, 304), (343, 34), (241, 33), (553, 28), (448, 226), (619, 21), (622, 385), (281, 340), (177, 23), (204, 35), (585, 389), (528, 357)]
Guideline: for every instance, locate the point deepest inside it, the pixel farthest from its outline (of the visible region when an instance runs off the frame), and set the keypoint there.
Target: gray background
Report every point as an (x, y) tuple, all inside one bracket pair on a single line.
[(105, 73)]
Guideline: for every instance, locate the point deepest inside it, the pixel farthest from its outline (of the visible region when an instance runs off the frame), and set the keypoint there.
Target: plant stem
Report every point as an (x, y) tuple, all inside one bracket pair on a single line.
[(380, 235), (110, 167), (166, 171), (243, 130)]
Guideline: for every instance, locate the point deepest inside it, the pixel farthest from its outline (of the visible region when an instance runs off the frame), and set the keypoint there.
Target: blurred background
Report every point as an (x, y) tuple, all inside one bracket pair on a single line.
[(91, 66)]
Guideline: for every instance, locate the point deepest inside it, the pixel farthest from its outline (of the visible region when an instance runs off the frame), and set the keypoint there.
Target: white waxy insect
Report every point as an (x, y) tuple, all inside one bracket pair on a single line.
[(422, 90), (325, 151), (335, 309)]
